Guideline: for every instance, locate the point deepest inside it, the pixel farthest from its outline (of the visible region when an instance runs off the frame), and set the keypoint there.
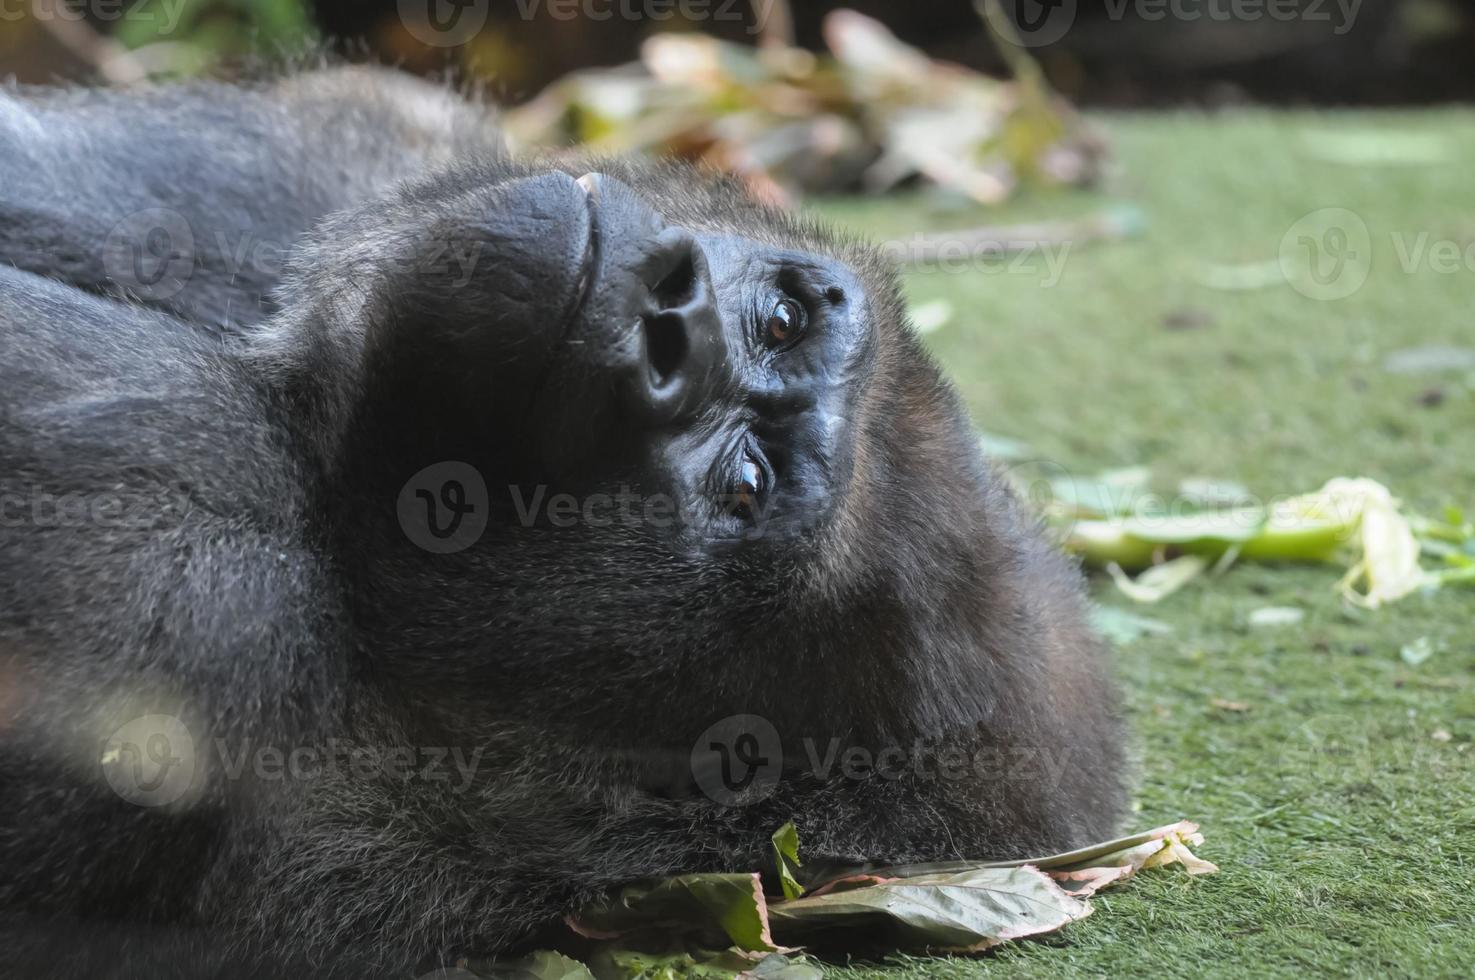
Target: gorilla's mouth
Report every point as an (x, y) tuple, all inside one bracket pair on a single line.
[(588, 266)]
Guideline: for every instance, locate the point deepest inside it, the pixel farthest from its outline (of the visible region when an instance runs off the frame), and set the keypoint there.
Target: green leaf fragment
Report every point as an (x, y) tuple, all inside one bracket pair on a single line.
[(1159, 581), (1417, 652), (1110, 525), (704, 904), (615, 963), (1122, 627), (786, 858), (542, 965)]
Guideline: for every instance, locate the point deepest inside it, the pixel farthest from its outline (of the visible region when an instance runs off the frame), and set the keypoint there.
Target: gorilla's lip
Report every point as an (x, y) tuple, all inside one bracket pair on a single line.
[(589, 261), (588, 266)]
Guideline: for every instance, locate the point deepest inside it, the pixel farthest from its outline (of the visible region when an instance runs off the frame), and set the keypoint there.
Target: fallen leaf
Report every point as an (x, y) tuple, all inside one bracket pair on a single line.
[(964, 911), (1417, 652), (1243, 277), (1114, 521), (697, 903), (1276, 616), (1085, 882), (666, 928), (1110, 493), (1214, 493), (872, 114), (1224, 705), (1389, 567), (1159, 581), (1154, 848), (542, 965), (616, 961), (1430, 359), (1131, 851), (1122, 627)]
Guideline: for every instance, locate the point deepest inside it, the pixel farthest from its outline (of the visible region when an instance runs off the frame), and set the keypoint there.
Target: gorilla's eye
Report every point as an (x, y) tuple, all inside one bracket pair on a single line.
[(784, 323), (746, 492)]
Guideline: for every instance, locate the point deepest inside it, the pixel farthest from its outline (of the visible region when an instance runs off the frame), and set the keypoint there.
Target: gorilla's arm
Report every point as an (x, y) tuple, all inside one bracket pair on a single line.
[(154, 531), (188, 198)]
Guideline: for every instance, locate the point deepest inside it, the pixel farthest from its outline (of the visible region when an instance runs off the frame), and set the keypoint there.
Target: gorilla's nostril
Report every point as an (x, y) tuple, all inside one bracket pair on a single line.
[(665, 346), (676, 287)]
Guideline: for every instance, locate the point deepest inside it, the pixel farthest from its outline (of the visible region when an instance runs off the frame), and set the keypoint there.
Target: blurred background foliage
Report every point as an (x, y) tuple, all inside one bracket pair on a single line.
[(1115, 52), (970, 96)]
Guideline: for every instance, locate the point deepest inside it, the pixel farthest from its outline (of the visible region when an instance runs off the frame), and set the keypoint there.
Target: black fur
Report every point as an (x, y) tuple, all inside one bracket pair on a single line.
[(249, 434)]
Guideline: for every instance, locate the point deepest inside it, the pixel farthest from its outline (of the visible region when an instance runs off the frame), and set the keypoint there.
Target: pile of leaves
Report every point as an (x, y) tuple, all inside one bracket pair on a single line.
[(1118, 521), (871, 114), (724, 925)]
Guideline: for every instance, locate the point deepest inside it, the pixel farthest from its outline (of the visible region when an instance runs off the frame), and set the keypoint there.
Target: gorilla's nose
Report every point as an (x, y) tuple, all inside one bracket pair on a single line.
[(684, 353), (654, 276)]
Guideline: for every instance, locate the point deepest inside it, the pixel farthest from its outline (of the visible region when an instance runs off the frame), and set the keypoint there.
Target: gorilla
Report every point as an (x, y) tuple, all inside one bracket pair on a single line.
[(403, 542)]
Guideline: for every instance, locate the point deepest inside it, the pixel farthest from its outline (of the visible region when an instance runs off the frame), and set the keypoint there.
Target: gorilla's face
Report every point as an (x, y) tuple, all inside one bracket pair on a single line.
[(695, 368), (704, 431), (705, 368)]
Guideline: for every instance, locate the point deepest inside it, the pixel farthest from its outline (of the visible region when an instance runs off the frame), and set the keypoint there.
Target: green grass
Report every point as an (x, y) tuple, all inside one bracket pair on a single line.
[(1345, 832)]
